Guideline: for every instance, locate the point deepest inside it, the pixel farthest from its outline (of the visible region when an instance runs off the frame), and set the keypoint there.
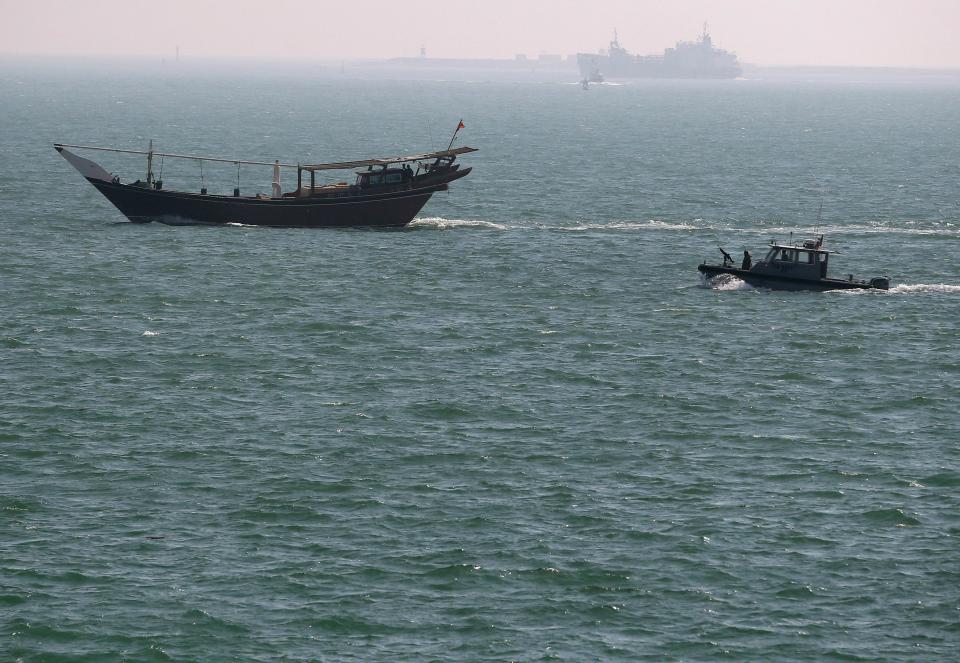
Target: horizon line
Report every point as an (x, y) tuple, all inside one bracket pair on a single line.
[(333, 60)]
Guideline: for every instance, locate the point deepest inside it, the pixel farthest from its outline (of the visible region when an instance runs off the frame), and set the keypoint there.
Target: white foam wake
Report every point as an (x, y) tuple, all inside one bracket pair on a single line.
[(902, 289), (941, 230), (607, 83), (439, 223), (908, 288), (725, 282), (781, 232), (652, 224)]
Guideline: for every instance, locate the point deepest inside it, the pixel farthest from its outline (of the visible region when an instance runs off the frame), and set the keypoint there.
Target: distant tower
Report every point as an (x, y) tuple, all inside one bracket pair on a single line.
[(705, 38), (423, 51)]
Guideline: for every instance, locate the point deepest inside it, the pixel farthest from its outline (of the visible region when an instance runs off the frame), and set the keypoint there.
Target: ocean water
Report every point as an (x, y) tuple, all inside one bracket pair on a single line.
[(522, 428)]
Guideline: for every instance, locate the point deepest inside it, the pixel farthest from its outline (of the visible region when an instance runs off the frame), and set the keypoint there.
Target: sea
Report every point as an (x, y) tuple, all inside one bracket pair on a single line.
[(520, 429)]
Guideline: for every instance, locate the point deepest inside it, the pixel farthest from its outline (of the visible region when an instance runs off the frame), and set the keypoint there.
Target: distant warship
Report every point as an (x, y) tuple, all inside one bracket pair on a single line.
[(687, 59)]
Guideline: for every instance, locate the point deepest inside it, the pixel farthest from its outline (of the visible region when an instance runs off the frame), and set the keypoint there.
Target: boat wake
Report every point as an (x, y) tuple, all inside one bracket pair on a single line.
[(910, 228), (906, 288), (604, 83), (725, 282), (697, 224), (438, 223), (651, 224), (925, 228)]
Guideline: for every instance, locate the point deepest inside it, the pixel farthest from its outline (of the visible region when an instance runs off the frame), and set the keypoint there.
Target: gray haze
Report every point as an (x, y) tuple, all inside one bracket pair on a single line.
[(899, 33)]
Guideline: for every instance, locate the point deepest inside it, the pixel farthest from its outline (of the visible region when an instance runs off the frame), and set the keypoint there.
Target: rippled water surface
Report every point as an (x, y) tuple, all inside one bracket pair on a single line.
[(522, 428)]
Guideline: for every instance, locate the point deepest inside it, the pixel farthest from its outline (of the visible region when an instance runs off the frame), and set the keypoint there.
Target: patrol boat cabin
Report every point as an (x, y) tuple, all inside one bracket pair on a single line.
[(800, 266), (806, 262)]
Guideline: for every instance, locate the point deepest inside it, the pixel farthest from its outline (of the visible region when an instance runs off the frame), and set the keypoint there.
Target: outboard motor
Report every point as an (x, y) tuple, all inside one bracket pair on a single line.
[(880, 283)]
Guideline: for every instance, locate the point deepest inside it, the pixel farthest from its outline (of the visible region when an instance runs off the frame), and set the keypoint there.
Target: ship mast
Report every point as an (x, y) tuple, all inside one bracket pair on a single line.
[(615, 44), (150, 164)]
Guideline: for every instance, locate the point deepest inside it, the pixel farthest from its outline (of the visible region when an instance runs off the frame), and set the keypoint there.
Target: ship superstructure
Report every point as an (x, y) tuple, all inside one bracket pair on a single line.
[(688, 59)]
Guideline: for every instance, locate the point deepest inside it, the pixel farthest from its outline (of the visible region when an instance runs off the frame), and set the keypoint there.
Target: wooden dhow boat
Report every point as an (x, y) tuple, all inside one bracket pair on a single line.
[(388, 192)]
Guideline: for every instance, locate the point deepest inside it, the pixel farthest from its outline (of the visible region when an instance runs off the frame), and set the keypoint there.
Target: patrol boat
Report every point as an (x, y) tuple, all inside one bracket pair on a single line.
[(791, 266)]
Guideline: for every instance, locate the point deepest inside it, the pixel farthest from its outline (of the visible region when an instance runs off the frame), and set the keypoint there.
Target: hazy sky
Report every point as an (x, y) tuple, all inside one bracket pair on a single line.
[(911, 33)]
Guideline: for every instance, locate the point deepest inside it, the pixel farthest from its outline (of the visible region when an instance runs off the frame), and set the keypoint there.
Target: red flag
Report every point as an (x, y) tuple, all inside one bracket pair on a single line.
[(460, 126)]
